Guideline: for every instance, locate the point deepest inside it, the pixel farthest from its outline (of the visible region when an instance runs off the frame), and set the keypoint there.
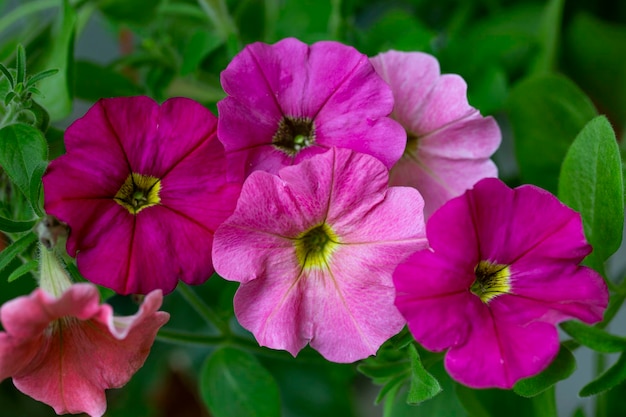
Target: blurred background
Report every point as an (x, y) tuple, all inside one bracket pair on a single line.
[(166, 48)]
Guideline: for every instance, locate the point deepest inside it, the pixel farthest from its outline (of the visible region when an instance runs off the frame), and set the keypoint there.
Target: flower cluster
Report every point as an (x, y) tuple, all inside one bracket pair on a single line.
[(311, 189)]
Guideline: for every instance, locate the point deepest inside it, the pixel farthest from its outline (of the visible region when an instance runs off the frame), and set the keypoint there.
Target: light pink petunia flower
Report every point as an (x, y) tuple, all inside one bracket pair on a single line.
[(143, 188), (502, 270), (448, 142), (66, 351), (289, 101), (314, 249)]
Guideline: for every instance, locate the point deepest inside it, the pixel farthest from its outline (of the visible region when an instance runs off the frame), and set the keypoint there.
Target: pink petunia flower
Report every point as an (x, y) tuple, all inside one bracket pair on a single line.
[(66, 351), (448, 142), (289, 101), (143, 188), (314, 249), (502, 270)]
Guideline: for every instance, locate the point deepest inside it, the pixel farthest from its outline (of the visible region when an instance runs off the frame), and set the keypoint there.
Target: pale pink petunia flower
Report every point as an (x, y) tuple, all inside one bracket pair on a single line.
[(66, 351), (449, 144), (289, 101), (143, 188), (502, 271), (314, 249)]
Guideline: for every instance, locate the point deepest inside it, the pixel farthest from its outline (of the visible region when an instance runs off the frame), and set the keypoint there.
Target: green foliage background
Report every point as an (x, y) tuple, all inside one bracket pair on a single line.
[(544, 69)]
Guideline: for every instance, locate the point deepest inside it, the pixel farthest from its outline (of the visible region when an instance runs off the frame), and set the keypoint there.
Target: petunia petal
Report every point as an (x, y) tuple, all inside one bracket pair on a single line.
[(500, 351), (84, 353)]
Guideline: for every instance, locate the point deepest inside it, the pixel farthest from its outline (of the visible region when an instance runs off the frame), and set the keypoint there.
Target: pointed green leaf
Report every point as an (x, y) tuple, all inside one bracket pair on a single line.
[(613, 376), (546, 114), (591, 182), (23, 270), (15, 249), (561, 368), (234, 383), (423, 386), (57, 91), (12, 226), (20, 66), (7, 74), (23, 154), (34, 79), (594, 338)]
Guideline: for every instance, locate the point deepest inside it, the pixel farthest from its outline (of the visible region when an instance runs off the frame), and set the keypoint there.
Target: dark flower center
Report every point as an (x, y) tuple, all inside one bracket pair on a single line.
[(294, 134), (138, 192), (412, 141), (491, 280), (314, 246)]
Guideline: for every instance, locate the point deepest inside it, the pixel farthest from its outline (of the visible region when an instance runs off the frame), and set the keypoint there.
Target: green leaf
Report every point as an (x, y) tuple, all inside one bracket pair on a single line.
[(423, 386), (561, 368), (94, 81), (23, 270), (23, 154), (546, 114), (34, 79), (612, 377), (233, 383), (594, 338), (594, 50), (57, 91), (15, 249), (136, 11), (7, 74), (591, 182), (201, 44), (12, 226), (20, 65)]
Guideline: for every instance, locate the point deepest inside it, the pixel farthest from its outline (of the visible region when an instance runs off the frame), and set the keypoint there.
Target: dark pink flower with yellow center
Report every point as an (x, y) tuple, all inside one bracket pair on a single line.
[(314, 249), (502, 270), (289, 101), (143, 189), (66, 350), (449, 144)]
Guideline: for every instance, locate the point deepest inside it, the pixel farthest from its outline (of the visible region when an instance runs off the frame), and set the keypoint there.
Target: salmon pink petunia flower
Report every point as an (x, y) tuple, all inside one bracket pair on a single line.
[(449, 144), (314, 249), (289, 101), (143, 188), (66, 351), (502, 270)]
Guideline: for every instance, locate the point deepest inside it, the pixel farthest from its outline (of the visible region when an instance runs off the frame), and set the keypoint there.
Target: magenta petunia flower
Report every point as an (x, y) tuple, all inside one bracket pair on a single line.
[(143, 188), (502, 270), (449, 144), (66, 351), (289, 101), (314, 249)]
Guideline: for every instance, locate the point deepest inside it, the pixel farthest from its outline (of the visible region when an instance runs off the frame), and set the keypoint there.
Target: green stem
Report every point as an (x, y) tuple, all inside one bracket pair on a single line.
[(203, 309)]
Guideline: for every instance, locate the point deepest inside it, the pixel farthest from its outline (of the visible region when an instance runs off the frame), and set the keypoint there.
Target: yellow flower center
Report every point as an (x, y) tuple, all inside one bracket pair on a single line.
[(315, 246), (491, 281), (138, 192)]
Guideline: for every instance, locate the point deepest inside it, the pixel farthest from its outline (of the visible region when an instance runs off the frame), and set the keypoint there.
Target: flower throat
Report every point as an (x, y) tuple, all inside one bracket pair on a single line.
[(138, 192), (294, 134), (491, 281)]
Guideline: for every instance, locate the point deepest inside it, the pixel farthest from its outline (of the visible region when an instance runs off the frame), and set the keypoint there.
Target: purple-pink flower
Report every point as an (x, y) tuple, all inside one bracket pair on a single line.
[(314, 249), (502, 270), (66, 351), (143, 188), (289, 101), (449, 144)]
